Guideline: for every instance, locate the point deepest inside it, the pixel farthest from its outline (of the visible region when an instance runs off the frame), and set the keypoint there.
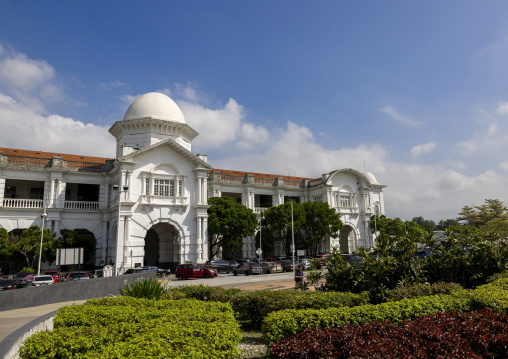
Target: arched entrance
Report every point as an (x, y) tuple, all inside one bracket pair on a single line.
[(161, 246), (347, 239)]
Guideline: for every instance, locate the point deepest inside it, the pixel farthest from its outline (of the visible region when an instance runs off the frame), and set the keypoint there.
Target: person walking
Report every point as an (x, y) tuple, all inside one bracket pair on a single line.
[(299, 277)]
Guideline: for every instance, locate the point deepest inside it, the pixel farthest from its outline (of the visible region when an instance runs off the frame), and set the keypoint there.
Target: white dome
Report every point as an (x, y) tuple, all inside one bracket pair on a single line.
[(154, 105), (370, 177)]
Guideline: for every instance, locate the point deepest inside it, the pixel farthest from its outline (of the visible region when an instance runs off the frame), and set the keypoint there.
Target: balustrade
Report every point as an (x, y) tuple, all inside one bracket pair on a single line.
[(81, 205), (22, 203)]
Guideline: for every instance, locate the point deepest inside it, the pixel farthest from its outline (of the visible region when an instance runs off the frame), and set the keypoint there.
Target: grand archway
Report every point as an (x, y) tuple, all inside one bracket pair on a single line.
[(347, 240), (161, 246)]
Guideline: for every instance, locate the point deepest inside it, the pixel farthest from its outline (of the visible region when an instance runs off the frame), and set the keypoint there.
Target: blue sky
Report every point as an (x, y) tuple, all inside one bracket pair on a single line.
[(415, 92)]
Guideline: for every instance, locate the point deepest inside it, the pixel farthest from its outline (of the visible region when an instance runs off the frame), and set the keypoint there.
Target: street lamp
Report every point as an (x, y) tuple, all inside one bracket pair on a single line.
[(292, 234), (124, 188), (376, 211), (43, 216)]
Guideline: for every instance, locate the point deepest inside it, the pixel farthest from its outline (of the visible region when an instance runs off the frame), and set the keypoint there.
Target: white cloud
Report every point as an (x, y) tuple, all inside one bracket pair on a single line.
[(218, 126), (502, 108), (30, 81), (24, 128), (389, 110), (418, 150), (252, 136)]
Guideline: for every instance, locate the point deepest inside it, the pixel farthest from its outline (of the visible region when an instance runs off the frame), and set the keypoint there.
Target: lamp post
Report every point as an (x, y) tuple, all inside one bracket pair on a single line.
[(292, 234), (376, 210), (43, 216)]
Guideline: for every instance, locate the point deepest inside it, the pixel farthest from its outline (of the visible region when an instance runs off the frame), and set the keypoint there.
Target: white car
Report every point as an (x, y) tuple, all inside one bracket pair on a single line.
[(42, 280)]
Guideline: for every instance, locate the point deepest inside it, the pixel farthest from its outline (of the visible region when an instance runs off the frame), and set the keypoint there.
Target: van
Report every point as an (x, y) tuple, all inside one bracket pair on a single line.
[(194, 270)]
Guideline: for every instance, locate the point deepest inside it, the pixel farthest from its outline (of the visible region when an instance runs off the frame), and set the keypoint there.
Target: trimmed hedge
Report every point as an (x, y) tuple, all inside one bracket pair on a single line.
[(126, 327), (493, 295), (285, 323), (421, 290), (289, 322), (482, 334), (256, 305)]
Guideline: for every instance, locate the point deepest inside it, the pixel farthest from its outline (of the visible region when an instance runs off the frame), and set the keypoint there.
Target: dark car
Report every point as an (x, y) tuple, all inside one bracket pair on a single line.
[(77, 276), (19, 279), (136, 270), (287, 265), (220, 265), (7, 284), (160, 271), (248, 268)]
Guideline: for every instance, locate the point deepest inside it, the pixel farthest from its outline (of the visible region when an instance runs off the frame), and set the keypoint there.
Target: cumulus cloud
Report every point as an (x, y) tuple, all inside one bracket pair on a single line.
[(24, 128), (31, 81), (418, 150), (389, 110), (218, 126)]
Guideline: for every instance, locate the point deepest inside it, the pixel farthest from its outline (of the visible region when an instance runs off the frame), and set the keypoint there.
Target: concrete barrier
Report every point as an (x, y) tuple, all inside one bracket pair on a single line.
[(68, 291)]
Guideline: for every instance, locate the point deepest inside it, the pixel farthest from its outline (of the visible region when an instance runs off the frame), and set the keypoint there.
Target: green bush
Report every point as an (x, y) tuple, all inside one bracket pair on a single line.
[(421, 290), (493, 295), (143, 288), (126, 327), (256, 305), (284, 323), (497, 276)]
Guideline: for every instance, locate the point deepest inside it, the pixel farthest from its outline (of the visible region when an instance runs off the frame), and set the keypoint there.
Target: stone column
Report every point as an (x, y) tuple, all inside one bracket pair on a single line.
[(52, 193)]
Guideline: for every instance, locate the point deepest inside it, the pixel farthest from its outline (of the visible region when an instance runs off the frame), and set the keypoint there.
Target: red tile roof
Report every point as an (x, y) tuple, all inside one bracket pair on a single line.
[(49, 155)]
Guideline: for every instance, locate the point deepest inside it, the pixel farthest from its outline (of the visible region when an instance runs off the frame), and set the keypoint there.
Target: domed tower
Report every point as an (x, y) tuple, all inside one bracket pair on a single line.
[(151, 118)]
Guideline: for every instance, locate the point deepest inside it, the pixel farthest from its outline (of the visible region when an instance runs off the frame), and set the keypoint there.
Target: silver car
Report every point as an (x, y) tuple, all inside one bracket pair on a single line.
[(40, 280)]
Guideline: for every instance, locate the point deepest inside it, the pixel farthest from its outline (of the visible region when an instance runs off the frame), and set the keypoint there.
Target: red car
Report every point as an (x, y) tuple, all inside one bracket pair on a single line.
[(194, 270), (54, 274)]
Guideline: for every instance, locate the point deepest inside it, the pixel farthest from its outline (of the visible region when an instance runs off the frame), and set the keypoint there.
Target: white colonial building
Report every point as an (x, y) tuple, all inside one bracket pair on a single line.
[(148, 206)]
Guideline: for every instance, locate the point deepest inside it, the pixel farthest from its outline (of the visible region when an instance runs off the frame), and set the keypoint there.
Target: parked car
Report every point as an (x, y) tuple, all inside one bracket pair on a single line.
[(194, 270), (248, 268), (40, 280), (2, 276), (19, 279), (287, 266), (220, 265), (160, 271), (352, 259), (77, 276), (54, 274), (136, 270), (423, 254), (233, 263), (7, 284), (304, 262), (271, 267)]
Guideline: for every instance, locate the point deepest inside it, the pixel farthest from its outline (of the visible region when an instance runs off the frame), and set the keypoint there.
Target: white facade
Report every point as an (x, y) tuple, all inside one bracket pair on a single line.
[(149, 205)]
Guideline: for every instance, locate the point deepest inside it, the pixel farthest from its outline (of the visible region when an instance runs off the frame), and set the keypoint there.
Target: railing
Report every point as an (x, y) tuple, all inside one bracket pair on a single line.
[(260, 180), (27, 161), (86, 166), (258, 210), (81, 205), (315, 182), (231, 178), (22, 203), (292, 183)]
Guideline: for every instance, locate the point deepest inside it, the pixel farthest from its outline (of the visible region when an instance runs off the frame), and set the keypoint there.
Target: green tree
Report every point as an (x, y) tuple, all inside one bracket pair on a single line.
[(74, 239), (277, 221), (28, 243), (320, 221), (445, 224), (425, 223), (477, 216), (228, 223)]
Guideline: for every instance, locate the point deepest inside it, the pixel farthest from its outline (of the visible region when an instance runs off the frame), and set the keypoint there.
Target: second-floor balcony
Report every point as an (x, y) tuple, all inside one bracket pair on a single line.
[(22, 203), (81, 205)]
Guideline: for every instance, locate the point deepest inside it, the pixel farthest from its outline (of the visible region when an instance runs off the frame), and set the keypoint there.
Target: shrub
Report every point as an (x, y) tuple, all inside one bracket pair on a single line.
[(497, 276), (143, 288), (420, 290), (126, 327), (443, 335), (493, 295), (281, 324)]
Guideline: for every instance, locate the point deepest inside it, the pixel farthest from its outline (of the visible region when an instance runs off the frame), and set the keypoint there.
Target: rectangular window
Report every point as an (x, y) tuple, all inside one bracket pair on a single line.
[(164, 187), (180, 190), (345, 201), (147, 186), (172, 188)]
